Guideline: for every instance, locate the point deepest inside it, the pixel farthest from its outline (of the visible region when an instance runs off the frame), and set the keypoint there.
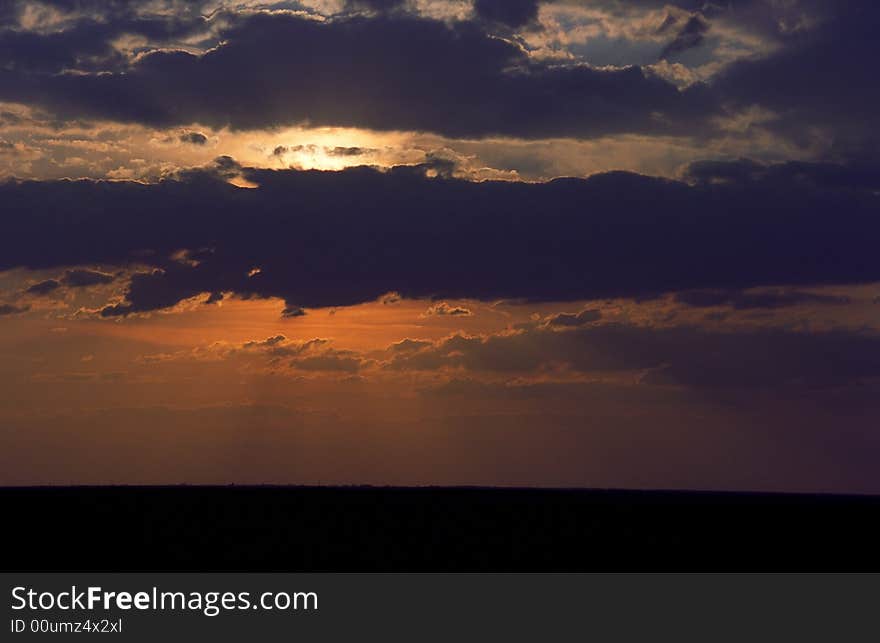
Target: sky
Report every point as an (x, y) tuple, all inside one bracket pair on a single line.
[(560, 243)]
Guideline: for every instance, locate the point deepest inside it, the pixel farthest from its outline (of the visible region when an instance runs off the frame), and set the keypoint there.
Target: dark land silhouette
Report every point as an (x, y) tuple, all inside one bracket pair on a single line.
[(235, 528)]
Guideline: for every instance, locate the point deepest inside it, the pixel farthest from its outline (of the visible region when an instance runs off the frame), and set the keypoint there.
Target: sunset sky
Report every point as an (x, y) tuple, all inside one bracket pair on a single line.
[(494, 242)]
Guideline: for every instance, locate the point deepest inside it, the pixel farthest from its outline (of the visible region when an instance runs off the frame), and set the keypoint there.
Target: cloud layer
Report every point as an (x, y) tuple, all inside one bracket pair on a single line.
[(393, 68), (338, 238)]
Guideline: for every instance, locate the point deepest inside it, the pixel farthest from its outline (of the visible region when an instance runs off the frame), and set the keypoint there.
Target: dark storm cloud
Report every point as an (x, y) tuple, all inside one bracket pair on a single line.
[(686, 356), (322, 239), (774, 22), (513, 13), (399, 73), (106, 8), (11, 309), (28, 51), (725, 171), (582, 318), (690, 35), (753, 300), (374, 5), (43, 287), (857, 173), (8, 12), (81, 278), (194, 138), (820, 77), (75, 278), (85, 43), (293, 311)]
